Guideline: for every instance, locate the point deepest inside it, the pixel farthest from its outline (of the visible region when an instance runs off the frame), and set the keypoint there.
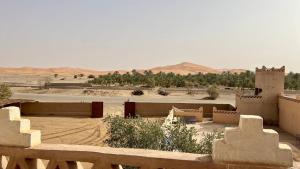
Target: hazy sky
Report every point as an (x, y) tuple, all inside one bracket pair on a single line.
[(126, 34)]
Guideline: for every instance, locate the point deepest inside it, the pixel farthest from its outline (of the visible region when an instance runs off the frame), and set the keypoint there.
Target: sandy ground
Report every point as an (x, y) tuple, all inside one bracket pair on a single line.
[(66, 130)]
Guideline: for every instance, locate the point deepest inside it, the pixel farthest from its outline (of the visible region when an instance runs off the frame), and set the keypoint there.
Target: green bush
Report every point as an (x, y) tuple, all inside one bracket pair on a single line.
[(91, 77), (212, 92), (162, 92), (5, 92), (137, 92), (148, 134)]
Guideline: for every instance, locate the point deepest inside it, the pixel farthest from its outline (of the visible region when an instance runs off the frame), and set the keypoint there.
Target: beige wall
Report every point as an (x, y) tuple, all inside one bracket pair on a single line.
[(271, 81), (56, 109), (149, 109), (256, 105), (249, 106), (197, 113), (289, 115), (226, 117), (251, 143)]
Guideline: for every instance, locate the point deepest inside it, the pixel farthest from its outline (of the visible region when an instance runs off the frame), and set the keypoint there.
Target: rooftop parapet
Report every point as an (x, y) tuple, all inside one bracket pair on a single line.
[(265, 69), (15, 131), (250, 143), (69, 156)]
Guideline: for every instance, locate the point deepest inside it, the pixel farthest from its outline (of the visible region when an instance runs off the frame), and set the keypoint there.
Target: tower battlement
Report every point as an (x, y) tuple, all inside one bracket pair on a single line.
[(265, 69)]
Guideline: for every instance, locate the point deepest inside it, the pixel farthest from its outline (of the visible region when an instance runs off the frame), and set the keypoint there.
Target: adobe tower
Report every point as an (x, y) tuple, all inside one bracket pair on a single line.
[(269, 83)]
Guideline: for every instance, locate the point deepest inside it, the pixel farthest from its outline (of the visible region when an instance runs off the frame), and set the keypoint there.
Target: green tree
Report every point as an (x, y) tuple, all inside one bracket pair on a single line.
[(149, 134)]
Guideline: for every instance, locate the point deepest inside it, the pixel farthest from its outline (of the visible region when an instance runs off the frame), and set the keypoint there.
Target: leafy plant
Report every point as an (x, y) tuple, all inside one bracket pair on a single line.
[(162, 92), (212, 92), (5, 92), (137, 92), (91, 76), (149, 134)]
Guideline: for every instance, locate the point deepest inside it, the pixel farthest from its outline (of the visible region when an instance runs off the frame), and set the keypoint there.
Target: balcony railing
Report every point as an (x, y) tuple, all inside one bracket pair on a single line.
[(20, 148), (68, 156)]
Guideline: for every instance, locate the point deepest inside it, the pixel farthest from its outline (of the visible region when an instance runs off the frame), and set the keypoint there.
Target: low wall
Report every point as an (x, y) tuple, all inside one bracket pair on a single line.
[(150, 109), (250, 105), (257, 105), (289, 115), (196, 113), (226, 116), (94, 109)]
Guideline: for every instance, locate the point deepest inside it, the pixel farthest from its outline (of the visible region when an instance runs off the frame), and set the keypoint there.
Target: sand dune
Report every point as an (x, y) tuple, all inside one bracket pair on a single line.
[(182, 68), (185, 68)]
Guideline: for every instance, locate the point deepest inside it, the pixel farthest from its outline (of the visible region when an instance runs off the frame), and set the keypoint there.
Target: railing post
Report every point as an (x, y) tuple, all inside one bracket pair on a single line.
[(54, 164), (16, 132), (3, 162)]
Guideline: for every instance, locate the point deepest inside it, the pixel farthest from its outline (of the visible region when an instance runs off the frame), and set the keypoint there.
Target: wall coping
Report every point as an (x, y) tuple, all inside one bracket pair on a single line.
[(289, 98), (265, 69), (226, 112), (107, 156)]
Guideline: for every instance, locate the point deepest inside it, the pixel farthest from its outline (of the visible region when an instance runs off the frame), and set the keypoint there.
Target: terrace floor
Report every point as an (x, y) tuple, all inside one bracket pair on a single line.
[(67, 130)]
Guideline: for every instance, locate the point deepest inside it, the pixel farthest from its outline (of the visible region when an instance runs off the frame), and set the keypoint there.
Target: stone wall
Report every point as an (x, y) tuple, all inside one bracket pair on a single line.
[(289, 115)]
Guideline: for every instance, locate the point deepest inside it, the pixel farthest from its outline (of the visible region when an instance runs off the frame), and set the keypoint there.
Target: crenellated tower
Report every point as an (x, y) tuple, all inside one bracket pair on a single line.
[(269, 84)]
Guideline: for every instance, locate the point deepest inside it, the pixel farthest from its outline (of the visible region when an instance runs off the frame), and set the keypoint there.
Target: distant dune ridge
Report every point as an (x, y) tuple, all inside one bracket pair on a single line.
[(182, 68)]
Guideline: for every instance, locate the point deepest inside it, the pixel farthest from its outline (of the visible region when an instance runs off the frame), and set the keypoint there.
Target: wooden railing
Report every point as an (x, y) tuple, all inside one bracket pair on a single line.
[(66, 157)]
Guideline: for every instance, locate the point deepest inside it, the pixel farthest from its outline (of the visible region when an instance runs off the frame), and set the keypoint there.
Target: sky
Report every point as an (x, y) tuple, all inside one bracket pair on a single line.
[(127, 34)]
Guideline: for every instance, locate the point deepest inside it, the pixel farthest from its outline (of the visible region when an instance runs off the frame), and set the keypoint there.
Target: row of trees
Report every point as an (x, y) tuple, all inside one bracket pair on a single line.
[(243, 80)]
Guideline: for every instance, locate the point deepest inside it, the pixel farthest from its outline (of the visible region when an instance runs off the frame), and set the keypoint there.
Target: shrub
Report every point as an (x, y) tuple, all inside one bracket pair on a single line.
[(75, 76), (212, 92), (5, 92), (146, 134), (91, 76), (162, 92), (137, 92)]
